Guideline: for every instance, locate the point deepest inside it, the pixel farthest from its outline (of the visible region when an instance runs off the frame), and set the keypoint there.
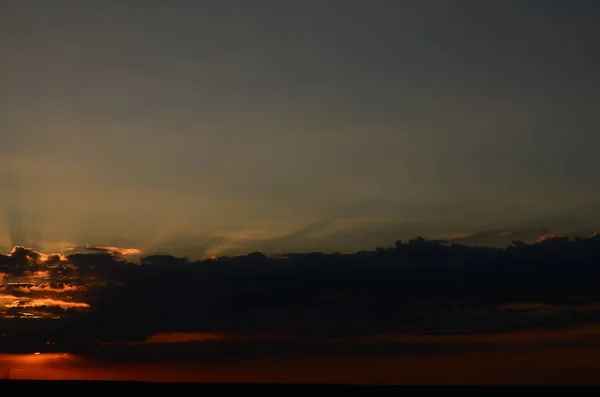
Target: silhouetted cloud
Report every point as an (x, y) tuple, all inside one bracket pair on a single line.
[(410, 299)]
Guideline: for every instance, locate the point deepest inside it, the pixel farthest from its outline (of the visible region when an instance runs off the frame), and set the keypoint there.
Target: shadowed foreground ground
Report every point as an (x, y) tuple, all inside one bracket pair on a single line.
[(283, 389)]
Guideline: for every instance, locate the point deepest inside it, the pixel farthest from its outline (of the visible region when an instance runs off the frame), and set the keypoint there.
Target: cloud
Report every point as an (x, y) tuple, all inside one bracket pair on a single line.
[(47, 302), (116, 251), (25, 261), (501, 237), (419, 297), (57, 287), (182, 337)]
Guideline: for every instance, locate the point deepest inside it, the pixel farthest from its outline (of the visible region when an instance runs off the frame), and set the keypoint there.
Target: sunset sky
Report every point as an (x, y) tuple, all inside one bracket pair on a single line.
[(140, 139), (199, 127)]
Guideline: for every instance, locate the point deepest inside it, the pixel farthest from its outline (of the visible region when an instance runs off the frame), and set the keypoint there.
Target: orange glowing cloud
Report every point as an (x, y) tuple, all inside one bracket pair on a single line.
[(58, 288), (175, 337), (34, 257), (544, 238), (48, 302), (43, 288), (38, 274), (15, 288), (120, 251), (48, 257), (455, 236)]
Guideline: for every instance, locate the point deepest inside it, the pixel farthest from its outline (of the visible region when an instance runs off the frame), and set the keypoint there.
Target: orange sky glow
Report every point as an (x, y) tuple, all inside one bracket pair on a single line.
[(553, 366), (517, 363)]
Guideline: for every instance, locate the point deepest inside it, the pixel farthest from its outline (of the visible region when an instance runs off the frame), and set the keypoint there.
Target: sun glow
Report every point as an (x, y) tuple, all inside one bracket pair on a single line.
[(38, 358)]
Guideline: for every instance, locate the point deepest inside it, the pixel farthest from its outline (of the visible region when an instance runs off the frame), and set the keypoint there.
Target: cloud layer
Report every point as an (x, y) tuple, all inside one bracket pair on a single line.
[(419, 298)]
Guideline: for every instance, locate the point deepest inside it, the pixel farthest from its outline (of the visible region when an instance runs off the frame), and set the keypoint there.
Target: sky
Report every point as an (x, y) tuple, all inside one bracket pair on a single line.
[(220, 127), (143, 145)]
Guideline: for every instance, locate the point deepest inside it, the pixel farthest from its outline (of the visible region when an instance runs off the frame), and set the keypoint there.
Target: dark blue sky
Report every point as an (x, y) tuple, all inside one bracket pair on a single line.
[(203, 127)]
